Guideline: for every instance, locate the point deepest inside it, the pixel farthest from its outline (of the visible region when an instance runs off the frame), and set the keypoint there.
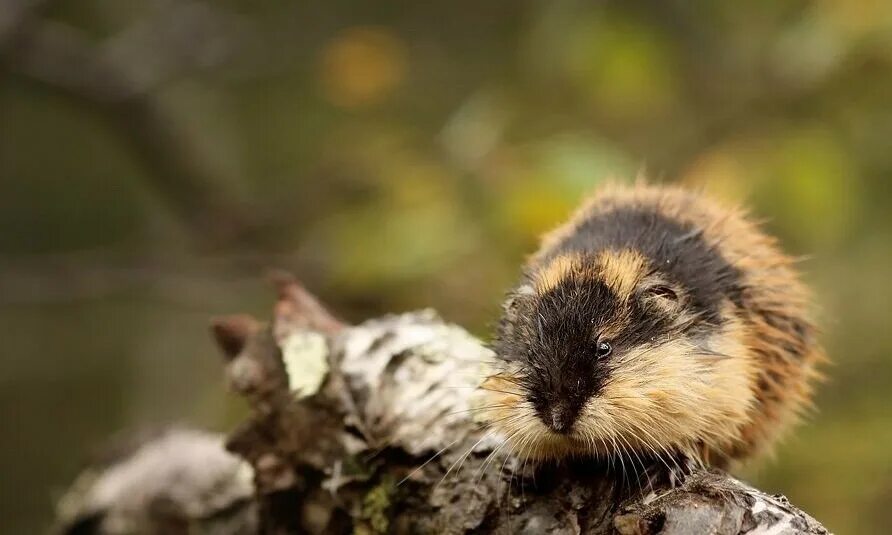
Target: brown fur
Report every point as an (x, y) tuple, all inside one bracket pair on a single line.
[(715, 410)]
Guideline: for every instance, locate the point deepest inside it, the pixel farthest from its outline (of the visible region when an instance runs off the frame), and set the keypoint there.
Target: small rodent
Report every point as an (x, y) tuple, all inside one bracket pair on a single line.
[(654, 323)]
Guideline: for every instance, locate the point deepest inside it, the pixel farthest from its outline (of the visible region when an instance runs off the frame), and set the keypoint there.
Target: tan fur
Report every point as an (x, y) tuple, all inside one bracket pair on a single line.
[(557, 270), (622, 270), (730, 404)]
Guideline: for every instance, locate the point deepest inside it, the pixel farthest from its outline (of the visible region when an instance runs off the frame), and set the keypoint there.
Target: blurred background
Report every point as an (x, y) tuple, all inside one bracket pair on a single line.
[(158, 156)]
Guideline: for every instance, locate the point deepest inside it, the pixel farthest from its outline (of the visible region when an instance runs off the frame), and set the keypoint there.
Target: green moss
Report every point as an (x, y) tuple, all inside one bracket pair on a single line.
[(375, 507)]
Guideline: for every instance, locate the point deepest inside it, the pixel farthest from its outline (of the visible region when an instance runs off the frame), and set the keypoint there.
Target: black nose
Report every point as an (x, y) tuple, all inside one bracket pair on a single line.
[(560, 418)]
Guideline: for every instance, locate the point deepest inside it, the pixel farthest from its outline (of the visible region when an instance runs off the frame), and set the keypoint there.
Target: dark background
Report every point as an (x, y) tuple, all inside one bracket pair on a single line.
[(157, 156)]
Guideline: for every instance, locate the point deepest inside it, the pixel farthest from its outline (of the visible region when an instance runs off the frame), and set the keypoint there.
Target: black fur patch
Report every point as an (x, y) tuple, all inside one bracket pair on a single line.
[(562, 355)]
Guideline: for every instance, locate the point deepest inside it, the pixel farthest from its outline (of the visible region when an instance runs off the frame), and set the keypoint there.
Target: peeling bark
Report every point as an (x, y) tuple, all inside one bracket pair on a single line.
[(178, 481), (370, 429)]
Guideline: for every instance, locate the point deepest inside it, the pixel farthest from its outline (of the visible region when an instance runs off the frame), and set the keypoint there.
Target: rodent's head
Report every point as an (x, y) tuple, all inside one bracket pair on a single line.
[(606, 354)]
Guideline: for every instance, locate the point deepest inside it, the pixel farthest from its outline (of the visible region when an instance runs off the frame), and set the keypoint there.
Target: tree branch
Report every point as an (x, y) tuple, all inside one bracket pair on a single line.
[(370, 429), (120, 83)]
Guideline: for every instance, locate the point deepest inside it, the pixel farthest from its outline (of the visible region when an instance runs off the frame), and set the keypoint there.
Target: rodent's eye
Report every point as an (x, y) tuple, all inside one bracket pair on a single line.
[(603, 349), (663, 291)]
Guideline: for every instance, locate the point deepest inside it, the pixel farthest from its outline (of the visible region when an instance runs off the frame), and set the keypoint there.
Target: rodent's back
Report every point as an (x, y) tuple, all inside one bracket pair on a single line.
[(729, 267)]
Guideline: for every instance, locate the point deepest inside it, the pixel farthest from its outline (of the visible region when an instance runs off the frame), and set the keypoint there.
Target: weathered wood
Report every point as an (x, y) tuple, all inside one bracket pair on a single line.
[(177, 481)]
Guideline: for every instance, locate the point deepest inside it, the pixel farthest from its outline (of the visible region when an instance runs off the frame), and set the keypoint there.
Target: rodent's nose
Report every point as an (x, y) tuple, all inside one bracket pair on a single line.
[(560, 419)]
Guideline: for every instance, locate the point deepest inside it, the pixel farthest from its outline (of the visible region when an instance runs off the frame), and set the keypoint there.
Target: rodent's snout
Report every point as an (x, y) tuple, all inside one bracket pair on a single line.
[(559, 417)]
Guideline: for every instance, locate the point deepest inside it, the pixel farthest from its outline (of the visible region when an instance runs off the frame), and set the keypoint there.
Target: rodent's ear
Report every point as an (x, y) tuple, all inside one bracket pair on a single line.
[(662, 291), (513, 300), (662, 295)]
